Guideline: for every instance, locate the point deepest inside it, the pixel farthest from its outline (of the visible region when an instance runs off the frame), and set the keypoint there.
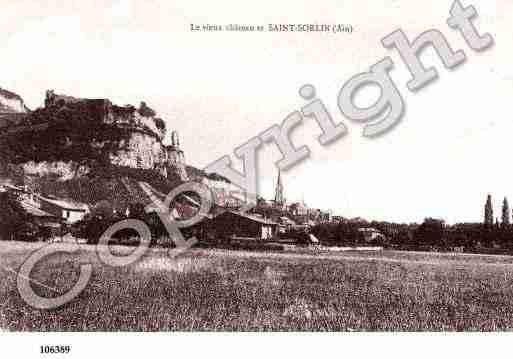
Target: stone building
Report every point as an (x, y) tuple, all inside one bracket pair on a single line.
[(175, 158), (234, 224)]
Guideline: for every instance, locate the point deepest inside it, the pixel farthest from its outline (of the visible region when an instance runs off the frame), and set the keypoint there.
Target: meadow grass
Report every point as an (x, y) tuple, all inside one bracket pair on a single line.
[(208, 289)]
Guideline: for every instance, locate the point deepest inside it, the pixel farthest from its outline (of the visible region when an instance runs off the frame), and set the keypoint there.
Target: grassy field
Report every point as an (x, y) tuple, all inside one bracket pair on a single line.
[(208, 289)]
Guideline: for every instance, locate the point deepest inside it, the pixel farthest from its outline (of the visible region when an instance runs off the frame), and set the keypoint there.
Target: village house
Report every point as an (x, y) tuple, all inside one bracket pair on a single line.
[(28, 201), (230, 224), (71, 212), (371, 234), (66, 211), (42, 218)]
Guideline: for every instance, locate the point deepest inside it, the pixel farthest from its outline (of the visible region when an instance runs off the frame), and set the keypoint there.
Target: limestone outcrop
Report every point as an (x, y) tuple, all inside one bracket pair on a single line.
[(69, 136)]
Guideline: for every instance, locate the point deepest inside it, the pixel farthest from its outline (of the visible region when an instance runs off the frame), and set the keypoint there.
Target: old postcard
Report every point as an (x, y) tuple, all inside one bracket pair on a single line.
[(272, 166)]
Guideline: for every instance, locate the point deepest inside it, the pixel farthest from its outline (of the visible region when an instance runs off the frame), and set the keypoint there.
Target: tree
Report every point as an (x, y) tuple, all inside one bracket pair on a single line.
[(505, 213), (103, 209), (91, 227), (146, 111), (430, 232), (488, 212), (136, 210), (348, 233), (161, 125), (14, 220)]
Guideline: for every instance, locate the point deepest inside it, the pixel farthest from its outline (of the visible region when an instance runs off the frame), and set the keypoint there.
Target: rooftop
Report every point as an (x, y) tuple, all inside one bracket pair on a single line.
[(36, 212), (66, 204)]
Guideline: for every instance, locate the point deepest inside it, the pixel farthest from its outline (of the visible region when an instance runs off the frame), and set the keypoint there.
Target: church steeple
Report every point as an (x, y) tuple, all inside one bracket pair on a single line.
[(278, 194), (175, 158)]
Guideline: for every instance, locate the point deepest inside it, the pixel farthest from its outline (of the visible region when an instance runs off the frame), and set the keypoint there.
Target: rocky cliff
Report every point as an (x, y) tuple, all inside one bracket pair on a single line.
[(83, 149), (69, 137)]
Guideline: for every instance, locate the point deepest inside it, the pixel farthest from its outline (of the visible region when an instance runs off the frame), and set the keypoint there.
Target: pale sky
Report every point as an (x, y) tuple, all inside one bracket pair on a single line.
[(220, 89)]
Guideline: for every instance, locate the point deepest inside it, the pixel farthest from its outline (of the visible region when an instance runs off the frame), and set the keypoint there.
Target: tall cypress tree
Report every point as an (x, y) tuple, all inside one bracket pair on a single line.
[(488, 212), (505, 213)]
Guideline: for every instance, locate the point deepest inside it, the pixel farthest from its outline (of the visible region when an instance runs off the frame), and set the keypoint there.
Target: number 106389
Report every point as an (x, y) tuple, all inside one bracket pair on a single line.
[(55, 349)]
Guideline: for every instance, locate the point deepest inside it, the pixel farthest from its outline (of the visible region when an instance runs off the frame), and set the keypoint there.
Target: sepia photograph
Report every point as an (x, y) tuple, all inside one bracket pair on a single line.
[(260, 167)]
